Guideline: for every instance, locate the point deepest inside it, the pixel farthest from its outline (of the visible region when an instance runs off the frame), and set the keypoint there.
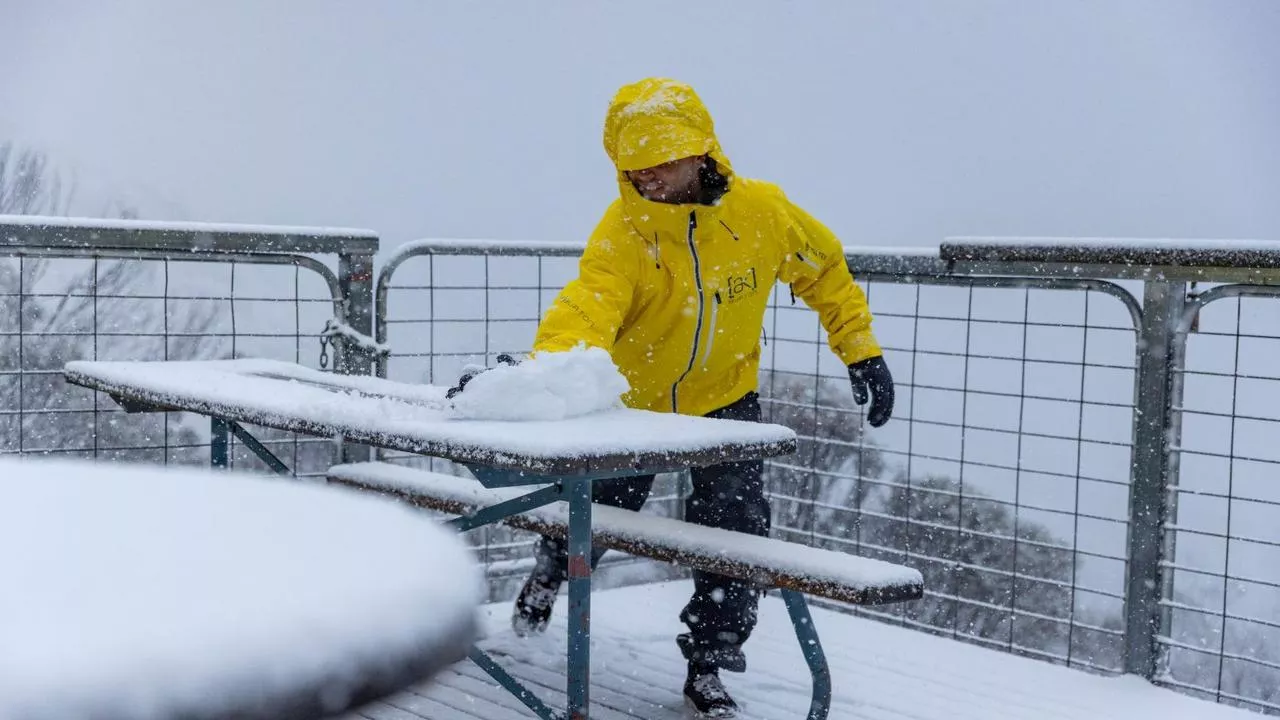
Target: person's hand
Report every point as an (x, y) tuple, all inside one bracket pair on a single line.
[(473, 370), (873, 375)]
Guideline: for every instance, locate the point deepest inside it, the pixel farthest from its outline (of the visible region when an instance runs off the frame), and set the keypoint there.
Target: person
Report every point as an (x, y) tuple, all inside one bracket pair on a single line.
[(674, 283)]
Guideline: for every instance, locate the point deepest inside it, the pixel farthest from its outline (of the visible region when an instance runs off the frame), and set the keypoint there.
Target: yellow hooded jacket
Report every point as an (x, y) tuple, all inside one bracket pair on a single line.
[(677, 292)]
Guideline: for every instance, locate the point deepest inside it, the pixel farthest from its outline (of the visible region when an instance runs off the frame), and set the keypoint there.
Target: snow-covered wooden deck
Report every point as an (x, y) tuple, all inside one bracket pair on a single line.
[(880, 672)]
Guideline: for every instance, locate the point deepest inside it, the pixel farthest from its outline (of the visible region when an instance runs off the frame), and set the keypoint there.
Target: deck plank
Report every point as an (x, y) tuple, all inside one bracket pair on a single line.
[(879, 672)]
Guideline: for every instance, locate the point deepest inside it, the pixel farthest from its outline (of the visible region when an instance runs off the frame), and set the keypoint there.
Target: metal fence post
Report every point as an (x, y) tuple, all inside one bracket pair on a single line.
[(1162, 304), (355, 278)]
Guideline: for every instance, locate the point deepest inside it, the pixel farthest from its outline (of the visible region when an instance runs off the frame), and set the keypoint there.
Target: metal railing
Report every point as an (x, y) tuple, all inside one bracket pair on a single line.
[(75, 288), (1081, 461), (1032, 467), (1220, 601), (1202, 607)]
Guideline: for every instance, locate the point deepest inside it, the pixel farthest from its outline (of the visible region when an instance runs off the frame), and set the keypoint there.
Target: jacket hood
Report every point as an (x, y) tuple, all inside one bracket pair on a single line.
[(654, 121)]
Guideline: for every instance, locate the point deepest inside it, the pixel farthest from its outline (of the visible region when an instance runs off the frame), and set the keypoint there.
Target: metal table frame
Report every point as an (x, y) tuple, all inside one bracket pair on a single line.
[(576, 490)]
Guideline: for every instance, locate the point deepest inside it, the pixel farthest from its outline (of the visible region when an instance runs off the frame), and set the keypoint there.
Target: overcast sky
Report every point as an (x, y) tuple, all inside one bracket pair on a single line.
[(898, 123)]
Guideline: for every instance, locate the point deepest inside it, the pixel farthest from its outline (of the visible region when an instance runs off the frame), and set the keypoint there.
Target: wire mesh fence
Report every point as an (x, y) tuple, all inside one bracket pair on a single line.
[(1004, 474), (1003, 477), (115, 307), (1221, 595)]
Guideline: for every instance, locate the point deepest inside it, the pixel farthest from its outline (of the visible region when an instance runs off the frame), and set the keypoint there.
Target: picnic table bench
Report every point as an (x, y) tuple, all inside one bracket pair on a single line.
[(534, 474), (795, 570)]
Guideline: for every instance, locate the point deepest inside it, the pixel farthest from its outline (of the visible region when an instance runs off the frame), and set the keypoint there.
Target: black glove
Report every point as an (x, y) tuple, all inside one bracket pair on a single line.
[(504, 358), (873, 374)]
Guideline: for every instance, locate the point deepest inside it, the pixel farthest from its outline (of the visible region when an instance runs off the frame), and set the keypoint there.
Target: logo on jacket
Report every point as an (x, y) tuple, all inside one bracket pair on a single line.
[(586, 317), (737, 287)]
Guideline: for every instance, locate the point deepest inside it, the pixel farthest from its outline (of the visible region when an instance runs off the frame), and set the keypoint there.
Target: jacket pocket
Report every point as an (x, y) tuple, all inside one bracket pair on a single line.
[(711, 330)]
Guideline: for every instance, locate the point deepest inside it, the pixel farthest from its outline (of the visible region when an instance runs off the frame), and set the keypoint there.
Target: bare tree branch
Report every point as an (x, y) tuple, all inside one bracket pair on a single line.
[(28, 186), (51, 310)]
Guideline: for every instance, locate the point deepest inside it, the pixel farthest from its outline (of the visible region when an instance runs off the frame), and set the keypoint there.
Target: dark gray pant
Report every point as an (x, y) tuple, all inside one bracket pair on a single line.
[(722, 612)]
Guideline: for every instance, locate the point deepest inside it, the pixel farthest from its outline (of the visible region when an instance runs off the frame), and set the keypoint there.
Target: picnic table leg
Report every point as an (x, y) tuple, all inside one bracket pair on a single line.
[(512, 685), (807, 634), (507, 508), (491, 514), (257, 447), (219, 441), (220, 432), (579, 542)]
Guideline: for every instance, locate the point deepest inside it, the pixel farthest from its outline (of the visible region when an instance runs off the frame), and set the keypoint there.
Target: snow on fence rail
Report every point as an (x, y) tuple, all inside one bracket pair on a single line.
[(1027, 472), (26, 231), (1117, 251)]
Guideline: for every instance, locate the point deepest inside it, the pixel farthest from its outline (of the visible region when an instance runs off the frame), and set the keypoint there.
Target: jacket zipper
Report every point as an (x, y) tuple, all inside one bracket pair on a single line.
[(711, 329), (697, 331)]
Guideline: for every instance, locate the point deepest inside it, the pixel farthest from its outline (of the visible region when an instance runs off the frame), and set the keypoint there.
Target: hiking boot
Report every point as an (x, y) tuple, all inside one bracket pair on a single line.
[(704, 692), (533, 605)]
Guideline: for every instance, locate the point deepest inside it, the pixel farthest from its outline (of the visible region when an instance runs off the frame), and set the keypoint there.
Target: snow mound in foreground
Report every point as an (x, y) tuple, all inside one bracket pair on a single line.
[(547, 386)]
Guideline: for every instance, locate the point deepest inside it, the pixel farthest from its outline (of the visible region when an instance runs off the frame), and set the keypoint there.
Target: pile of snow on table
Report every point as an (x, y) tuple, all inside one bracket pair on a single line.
[(546, 386)]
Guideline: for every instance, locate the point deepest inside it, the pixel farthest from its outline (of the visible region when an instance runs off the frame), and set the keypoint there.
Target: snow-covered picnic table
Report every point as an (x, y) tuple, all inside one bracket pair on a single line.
[(561, 456), (142, 592), (418, 419)]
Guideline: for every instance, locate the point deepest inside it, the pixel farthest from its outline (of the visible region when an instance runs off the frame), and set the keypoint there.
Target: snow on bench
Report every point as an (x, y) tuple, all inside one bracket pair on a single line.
[(767, 561), (418, 419)]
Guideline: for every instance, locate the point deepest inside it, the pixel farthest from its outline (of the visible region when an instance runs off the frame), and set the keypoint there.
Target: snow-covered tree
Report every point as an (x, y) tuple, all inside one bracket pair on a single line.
[(27, 185), (980, 562)]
